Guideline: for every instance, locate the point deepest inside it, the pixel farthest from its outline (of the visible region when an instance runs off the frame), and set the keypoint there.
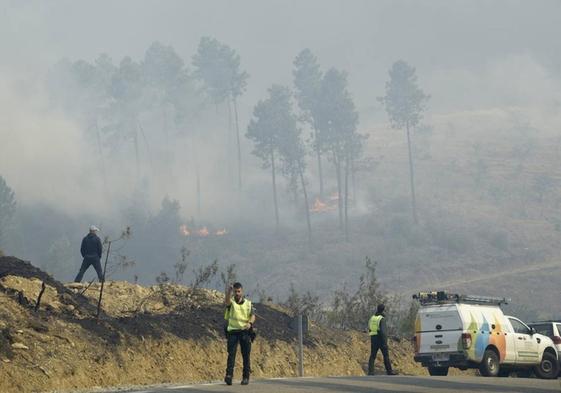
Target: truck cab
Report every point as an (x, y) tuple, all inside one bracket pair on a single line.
[(472, 332)]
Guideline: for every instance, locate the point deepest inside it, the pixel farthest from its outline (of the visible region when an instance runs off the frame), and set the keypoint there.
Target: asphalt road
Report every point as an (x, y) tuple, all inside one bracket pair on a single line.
[(380, 383)]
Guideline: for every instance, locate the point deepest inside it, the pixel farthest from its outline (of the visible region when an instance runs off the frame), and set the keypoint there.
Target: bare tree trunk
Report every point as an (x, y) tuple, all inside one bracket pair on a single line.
[(412, 177), (346, 201), (238, 142), (38, 302), (306, 205), (320, 168), (143, 134), (295, 191), (275, 189), (353, 180), (101, 159), (136, 153), (198, 190), (229, 161), (339, 189), (169, 154), (195, 156)]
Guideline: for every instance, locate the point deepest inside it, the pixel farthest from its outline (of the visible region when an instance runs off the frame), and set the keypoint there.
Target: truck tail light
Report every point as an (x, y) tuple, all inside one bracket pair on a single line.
[(556, 340), (466, 340)]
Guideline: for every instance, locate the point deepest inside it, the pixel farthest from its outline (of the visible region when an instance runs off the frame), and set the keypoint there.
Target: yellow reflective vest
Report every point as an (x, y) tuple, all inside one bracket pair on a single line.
[(374, 324), (238, 315)]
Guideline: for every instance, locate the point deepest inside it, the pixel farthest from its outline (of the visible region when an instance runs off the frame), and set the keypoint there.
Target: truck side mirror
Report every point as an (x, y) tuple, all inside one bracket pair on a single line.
[(532, 331)]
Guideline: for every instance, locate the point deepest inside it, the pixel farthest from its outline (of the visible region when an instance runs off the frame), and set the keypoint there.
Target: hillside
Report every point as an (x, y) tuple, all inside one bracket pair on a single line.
[(148, 335), (488, 185), (488, 193)]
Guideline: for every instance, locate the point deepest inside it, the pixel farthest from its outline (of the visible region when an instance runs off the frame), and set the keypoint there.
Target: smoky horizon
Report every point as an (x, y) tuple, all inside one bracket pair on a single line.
[(293, 139)]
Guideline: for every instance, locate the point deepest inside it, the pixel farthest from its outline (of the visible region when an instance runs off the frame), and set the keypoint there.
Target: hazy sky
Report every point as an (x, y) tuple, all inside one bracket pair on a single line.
[(363, 36), (469, 55)]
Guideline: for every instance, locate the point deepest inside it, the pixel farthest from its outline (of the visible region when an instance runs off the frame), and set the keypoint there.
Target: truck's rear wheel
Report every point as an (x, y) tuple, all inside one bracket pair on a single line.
[(490, 364), (438, 371), (549, 366)]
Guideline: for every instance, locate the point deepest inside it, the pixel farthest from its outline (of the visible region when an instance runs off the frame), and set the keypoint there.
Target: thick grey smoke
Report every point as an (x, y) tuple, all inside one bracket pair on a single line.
[(490, 67), (470, 56)]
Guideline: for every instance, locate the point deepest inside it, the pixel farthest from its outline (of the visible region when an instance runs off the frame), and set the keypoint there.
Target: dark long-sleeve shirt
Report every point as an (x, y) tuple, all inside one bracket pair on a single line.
[(91, 246)]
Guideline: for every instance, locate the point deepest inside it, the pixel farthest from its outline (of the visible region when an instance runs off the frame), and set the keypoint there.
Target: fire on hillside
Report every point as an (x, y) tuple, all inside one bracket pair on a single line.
[(330, 204), (184, 230)]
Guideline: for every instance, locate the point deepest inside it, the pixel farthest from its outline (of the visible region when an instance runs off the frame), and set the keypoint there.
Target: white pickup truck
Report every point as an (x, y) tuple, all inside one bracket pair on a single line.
[(472, 332)]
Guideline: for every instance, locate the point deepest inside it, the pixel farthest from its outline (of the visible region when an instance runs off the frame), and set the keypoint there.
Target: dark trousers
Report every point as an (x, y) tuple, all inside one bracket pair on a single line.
[(243, 338), (86, 264), (377, 344)]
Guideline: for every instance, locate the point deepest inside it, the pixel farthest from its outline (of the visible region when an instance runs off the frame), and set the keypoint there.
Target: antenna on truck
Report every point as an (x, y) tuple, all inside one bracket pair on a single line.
[(443, 297)]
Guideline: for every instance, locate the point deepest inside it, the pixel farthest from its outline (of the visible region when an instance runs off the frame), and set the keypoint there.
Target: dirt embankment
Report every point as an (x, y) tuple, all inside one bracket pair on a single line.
[(149, 335)]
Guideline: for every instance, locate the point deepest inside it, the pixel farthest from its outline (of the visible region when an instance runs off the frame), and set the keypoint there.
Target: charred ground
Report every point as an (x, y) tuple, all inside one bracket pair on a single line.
[(146, 335)]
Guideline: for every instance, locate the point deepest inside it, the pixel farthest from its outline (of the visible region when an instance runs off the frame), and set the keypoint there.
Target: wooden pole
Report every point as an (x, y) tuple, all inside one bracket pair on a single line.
[(103, 280)]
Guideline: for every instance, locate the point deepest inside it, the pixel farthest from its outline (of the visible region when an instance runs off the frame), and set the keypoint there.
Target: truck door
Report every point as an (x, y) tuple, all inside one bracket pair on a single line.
[(439, 329), (525, 346)]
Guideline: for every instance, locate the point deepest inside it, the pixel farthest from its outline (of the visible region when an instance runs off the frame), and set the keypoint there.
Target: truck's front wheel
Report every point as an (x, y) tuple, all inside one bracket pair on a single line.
[(490, 364), (548, 368), (438, 371)]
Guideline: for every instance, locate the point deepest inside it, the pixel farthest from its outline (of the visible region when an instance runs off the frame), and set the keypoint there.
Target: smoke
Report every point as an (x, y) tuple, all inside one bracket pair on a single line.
[(488, 67), (43, 155), (516, 80)]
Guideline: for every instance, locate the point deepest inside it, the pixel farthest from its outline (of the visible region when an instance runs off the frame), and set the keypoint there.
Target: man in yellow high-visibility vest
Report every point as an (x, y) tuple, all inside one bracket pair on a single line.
[(379, 340), (240, 315)]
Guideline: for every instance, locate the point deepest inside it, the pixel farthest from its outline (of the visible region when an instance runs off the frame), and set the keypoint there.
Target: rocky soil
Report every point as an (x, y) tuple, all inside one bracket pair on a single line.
[(148, 335)]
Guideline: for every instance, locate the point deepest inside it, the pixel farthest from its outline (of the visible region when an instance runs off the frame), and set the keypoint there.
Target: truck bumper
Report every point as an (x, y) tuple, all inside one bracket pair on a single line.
[(455, 359)]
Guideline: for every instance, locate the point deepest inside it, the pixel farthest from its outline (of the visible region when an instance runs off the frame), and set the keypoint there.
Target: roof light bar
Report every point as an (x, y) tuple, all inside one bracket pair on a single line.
[(442, 297)]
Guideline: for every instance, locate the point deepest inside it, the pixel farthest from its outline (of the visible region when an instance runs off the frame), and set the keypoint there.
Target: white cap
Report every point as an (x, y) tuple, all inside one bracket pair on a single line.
[(93, 228)]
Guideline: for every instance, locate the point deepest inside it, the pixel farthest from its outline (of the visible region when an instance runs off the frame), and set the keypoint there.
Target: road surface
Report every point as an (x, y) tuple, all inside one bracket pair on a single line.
[(374, 384)]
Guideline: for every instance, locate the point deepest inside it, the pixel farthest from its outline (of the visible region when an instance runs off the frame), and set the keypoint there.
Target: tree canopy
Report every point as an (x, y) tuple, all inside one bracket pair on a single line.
[(7, 207), (404, 101), (218, 67)]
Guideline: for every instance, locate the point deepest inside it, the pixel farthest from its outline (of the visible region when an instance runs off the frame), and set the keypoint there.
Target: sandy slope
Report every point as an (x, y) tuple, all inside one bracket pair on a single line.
[(148, 335)]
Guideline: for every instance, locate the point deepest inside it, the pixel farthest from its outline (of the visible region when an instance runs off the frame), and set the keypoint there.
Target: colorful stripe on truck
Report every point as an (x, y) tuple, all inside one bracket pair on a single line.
[(485, 335)]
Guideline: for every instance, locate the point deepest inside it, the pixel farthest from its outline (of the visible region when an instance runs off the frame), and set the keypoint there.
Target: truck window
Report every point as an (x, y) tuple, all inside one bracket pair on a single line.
[(558, 329), (544, 328), (518, 326)]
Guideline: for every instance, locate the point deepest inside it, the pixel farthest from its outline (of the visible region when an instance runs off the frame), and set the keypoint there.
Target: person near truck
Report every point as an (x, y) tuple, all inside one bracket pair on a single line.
[(377, 330), (240, 317), (91, 250)]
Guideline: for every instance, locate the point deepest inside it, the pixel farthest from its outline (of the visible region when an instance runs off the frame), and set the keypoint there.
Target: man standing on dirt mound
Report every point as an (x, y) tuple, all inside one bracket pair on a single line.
[(240, 315), (379, 340), (91, 251)]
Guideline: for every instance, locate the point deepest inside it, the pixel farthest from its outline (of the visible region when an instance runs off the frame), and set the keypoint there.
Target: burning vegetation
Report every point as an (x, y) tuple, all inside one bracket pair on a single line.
[(320, 206), (201, 232)]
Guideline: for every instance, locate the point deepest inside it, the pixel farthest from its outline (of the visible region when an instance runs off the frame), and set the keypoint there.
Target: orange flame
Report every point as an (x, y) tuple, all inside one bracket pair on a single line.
[(319, 206), (203, 232), (184, 230)]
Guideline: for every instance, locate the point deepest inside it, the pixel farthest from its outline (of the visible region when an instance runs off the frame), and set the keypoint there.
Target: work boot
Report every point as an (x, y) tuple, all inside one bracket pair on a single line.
[(245, 381), (228, 379), (391, 372)]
